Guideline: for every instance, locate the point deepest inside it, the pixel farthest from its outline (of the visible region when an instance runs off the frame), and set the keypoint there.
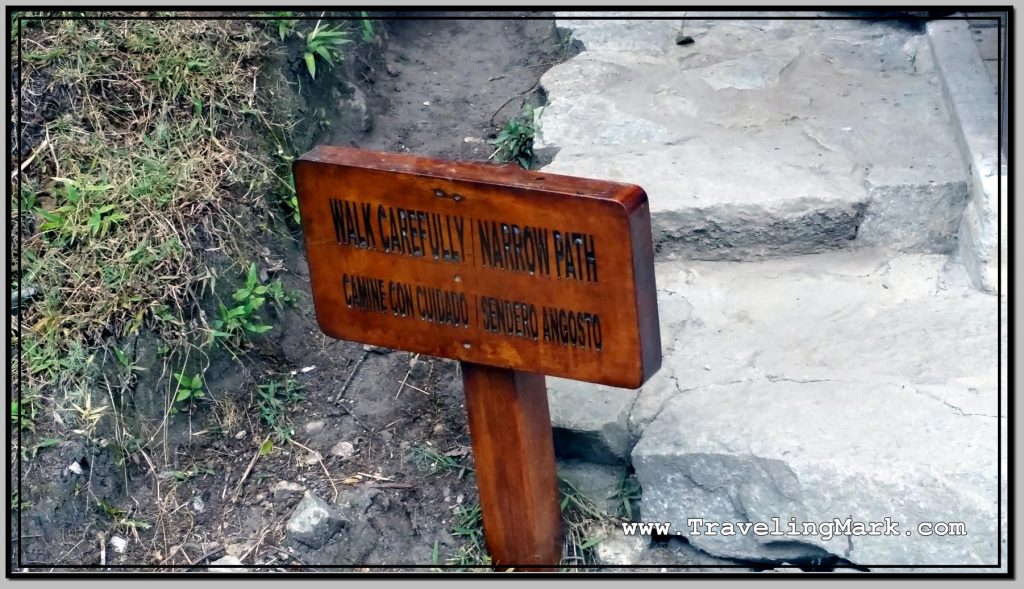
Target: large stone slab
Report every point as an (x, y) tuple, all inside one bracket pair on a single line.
[(975, 107), (820, 451), (592, 422), (762, 138), (845, 384)]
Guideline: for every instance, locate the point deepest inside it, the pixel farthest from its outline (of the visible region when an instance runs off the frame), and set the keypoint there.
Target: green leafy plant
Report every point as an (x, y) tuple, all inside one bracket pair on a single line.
[(34, 449), (273, 400), (190, 389), (24, 412), (325, 42), (234, 322), (84, 215), (626, 495), (514, 143), (280, 296), (290, 198), (368, 32), (284, 22)]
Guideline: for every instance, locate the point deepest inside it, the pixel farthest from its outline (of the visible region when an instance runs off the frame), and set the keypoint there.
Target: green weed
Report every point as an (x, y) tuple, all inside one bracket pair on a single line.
[(234, 323), (627, 493), (326, 43), (515, 143), (33, 450), (273, 400), (367, 26), (469, 527), (285, 24), (190, 389)]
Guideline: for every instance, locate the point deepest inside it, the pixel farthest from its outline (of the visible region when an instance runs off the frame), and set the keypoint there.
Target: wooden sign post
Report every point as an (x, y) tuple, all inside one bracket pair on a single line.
[(515, 273)]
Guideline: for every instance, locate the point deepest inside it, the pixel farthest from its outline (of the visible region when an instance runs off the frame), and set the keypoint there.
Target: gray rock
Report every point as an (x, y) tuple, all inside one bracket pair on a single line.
[(974, 106), (769, 141), (590, 422), (915, 217), (225, 565), (314, 522), (857, 450), (862, 331), (618, 549), (287, 492), (597, 482), (353, 111), (750, 72), (343, 450)]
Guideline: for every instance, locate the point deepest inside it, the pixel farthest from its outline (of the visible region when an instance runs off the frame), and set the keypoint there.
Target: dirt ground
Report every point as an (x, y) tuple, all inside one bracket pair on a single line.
[(436, 90)]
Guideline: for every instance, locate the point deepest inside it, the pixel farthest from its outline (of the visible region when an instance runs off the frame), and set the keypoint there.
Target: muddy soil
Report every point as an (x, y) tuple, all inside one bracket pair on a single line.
[(437, 88)]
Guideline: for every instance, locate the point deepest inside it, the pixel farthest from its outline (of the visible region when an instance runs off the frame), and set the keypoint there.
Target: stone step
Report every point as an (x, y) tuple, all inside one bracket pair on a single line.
[(856, 383), (762, 138)]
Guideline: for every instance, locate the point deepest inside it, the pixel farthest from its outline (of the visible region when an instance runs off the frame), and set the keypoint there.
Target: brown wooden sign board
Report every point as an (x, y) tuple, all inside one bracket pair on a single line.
[(517, 274), (482, 263)]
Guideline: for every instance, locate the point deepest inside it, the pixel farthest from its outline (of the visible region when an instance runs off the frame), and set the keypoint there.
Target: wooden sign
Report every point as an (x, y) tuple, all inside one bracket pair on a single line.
[(514, 273), (482, 263)]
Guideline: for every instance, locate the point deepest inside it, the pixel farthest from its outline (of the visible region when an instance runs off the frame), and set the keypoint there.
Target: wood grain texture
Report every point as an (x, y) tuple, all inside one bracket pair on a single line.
[(515, 466), (420, 234)]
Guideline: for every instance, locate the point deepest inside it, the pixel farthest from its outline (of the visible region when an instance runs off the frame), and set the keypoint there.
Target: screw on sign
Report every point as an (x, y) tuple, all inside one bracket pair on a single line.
[(514, 273)]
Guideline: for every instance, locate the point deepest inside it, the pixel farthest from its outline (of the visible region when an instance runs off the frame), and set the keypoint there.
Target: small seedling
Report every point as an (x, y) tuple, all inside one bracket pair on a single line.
[(280, 296), (273, 400), (514, 143), (325, 42), (190, 389), (285, 23), (233, 323)]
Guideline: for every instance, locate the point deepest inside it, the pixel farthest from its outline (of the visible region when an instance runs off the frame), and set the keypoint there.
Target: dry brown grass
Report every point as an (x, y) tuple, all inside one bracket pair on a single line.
[(135, 185)]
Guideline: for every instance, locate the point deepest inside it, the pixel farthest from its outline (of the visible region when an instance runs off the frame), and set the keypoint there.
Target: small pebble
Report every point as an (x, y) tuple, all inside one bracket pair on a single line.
[(119, 544), (391, 70), (75, 468), (343, 450)]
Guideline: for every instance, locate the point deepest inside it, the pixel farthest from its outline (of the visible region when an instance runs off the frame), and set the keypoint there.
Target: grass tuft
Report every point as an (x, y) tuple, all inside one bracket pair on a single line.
[(140, 156)]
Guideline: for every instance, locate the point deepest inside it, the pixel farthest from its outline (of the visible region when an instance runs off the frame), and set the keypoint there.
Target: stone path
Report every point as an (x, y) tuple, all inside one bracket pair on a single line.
[(827, 355)]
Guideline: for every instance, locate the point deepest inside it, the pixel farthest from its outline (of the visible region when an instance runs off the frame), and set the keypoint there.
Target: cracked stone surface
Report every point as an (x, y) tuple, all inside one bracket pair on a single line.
[(762, 138), (825, 353), (842, 384)]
